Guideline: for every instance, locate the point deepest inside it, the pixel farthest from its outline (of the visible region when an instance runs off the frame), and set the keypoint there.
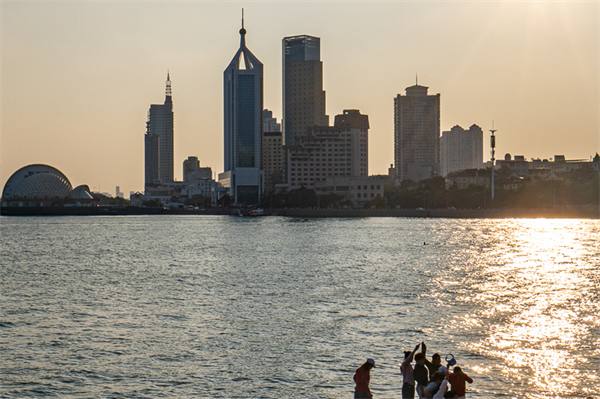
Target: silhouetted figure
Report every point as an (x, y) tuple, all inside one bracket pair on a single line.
[(458, 381), (421, 373), (362, 377), (408, 378), (438, 381)]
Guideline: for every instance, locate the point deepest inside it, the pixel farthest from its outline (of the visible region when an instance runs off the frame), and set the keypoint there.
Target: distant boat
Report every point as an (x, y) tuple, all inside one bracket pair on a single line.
[(257, 212)]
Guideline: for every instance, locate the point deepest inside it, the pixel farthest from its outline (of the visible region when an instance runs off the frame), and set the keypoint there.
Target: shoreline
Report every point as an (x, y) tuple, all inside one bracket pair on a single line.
[(311, 213)]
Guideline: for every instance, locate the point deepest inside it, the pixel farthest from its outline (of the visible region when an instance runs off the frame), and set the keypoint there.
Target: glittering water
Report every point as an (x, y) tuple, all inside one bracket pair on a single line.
[(167, 306)]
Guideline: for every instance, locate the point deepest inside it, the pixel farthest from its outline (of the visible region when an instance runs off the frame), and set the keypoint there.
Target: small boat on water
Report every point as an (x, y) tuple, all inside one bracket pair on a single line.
[(257, 212)]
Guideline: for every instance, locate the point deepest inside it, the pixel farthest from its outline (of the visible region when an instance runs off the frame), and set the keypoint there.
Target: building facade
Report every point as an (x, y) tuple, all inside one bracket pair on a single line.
[(193, 171), (329, 151), (158, 141), (353, 122), (269, 122), (303, 94), (357, 190), (191, 164), (243, 106), (416, 134), (272, 160), (461, 149)]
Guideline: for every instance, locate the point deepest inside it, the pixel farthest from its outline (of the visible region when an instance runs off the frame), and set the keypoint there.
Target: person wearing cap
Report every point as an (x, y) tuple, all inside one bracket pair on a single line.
[(362, 377), (437, 379), (408, 377), (443, 389)]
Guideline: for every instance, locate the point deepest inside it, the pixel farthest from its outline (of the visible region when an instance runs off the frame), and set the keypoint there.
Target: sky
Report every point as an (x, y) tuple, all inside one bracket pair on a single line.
[(78, 77)]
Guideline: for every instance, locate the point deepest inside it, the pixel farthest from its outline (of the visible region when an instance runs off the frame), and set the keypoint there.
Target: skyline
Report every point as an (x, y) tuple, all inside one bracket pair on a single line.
[(78, 78)]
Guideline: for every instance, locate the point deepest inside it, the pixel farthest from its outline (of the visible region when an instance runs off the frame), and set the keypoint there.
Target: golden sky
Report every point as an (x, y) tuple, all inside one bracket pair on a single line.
[(78, 77)]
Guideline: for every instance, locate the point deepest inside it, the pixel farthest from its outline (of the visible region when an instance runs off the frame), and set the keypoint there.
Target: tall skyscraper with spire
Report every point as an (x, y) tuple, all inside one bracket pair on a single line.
[(303, 94), (243, 106), (158, 141)]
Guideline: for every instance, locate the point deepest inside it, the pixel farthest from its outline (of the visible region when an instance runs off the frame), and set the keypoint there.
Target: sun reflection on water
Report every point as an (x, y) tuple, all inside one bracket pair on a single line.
[(536, 298)]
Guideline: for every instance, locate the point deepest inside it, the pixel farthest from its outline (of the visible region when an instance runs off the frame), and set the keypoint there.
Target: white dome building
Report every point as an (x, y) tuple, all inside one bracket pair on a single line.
[(37, 182)]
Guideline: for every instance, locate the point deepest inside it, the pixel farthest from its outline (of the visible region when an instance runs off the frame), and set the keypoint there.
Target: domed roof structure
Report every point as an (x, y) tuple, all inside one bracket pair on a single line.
[(81, 192), (37, 181)]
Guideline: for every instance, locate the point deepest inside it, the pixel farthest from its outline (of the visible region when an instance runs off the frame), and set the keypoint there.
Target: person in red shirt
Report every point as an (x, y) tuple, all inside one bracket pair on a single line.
[(458, 381), (362, 378)]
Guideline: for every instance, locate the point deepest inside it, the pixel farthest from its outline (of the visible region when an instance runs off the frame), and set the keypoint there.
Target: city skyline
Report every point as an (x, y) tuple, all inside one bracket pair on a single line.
[(78, 77)]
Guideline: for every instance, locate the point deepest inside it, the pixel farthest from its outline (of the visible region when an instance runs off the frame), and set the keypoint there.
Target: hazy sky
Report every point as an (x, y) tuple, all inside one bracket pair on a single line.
[(78, 77)]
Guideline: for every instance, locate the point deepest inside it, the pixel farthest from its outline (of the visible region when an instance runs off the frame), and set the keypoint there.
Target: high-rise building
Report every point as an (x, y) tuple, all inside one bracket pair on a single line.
[(461, 149), (330, 151), (303, 94), (357, 124), (269, 122), (243, 106), (158, 141), (416, 134)]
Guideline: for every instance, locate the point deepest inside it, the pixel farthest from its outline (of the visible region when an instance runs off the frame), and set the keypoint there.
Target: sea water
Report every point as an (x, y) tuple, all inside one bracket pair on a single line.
[(275, 307)]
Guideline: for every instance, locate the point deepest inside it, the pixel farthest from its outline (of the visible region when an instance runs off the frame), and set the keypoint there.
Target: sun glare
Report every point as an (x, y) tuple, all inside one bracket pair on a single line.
[(533, 327)]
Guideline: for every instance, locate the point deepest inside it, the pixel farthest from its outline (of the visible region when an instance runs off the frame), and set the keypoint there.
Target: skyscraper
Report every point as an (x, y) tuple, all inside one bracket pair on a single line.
[(461, 149), (243, 106), (416, 134), (303, 94), (158, 141)]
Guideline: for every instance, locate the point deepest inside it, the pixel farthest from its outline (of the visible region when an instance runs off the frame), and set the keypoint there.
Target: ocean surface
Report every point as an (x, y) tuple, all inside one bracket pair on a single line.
[(275, 307)]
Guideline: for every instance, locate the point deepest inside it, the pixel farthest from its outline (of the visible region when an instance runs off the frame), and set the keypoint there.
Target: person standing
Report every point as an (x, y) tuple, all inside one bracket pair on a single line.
[(421, 373), (435, 363), (458, 380), (362, 377), (408, 378)]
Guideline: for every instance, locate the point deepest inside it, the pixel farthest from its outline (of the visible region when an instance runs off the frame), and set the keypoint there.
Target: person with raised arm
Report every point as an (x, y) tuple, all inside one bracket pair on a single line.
[(420, 372), (408, 378), (435, 363)]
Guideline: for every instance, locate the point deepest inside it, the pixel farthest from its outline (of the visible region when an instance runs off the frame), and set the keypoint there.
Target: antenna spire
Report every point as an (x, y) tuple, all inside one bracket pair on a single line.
[(243, 32), (168, 88), (417, 79)]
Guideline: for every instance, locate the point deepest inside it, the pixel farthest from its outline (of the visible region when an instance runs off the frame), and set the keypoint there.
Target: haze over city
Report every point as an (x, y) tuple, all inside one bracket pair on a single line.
[(78, 78)]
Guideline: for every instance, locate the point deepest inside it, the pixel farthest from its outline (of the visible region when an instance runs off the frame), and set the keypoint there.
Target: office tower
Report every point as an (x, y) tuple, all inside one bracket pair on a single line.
[(158, 141), (269, 122), (329, 151), (118, 192), (243, 106), (416, 134), (303, 95), (357, 124), (461, 149)]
